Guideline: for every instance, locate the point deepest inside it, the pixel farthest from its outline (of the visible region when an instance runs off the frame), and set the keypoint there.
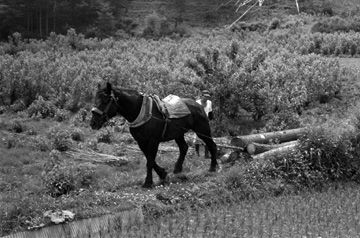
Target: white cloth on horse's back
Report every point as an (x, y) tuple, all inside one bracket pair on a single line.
[(175, 106)]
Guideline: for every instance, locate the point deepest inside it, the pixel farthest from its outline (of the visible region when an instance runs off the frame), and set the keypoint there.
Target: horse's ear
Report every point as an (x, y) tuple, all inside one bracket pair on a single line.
[(108, 87)]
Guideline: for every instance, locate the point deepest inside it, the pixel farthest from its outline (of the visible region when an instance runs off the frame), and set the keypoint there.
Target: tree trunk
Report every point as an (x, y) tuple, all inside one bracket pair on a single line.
[(224, 142), (54, 17), (257, 148), (47, 21), (276, 152), (278, 136), (297, 6), (229, 156), (40, 23)]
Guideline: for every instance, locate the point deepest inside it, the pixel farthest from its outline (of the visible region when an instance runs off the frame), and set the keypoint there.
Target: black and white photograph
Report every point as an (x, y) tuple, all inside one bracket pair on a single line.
[(179, 118)]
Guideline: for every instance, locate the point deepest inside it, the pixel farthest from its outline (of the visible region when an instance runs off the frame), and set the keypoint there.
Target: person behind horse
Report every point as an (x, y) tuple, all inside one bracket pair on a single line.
[(205, 101)]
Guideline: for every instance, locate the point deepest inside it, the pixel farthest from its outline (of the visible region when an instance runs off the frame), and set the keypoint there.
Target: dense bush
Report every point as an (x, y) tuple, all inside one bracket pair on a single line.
[(331, 149), (326, 153), (60, 139), (104, 136), (283, 82), (60, 177), (336, 24), (65, 70), (157, 26), (42, 108), (251, 26)]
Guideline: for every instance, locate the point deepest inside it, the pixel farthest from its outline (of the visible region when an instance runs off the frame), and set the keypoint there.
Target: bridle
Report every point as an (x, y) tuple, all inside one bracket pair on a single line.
[(104, 114)]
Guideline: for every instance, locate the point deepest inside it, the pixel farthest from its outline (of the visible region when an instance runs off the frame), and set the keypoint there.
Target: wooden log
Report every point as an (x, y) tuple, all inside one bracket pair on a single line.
[(257, 148), (229, 156), (263, 138), (222, 140), (225, 142), (276, 152)]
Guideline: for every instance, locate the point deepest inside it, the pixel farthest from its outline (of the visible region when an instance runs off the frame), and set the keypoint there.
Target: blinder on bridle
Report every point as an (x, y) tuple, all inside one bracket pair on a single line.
[(105, 112)]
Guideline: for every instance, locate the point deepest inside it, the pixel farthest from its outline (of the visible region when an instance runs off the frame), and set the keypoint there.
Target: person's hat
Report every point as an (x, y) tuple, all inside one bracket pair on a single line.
[(206, 93)]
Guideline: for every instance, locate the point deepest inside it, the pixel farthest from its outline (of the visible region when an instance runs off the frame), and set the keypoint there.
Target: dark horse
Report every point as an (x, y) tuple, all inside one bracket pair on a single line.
[(110, 102)]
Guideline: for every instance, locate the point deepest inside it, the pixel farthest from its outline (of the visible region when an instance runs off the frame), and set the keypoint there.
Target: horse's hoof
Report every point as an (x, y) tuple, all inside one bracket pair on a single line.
[(165, 181), (177, 171), (147, 185), (178, 168), (216, 168)]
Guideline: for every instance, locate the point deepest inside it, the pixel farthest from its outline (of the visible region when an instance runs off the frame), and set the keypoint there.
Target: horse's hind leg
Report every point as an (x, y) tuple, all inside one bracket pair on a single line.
[(180, 141), (206, 137)]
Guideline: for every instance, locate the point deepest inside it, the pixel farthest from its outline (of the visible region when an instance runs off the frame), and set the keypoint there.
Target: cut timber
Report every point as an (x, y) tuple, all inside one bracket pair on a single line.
[(256, 148), (222, 140), (276, 152), (263, 138), (229, 156), (225, 142)]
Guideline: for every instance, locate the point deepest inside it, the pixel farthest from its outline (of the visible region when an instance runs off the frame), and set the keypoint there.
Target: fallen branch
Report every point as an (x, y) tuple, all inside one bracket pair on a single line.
[(95, 157)]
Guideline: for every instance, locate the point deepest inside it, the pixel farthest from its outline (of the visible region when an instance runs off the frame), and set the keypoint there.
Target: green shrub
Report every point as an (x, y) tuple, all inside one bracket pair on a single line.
[(281, 121), (336, 24), (60, 177), (42, 108), (254, 180), (330, 150), (153, 24), (61, 115), (274, 24), (60, 139), (10, 142), (281, 83), (157, 26), (59, 181), (77, 135), (17, 126), (250, 26), (104, 136), (42, 143)]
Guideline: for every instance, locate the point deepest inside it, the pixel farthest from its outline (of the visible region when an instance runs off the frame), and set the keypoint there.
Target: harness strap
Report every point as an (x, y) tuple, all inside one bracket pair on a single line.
[(162, 109), (145, 113), (165, 127)]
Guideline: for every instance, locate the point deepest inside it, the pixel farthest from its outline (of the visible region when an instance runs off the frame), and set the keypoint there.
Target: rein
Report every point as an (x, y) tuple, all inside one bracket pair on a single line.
[(104, 113)]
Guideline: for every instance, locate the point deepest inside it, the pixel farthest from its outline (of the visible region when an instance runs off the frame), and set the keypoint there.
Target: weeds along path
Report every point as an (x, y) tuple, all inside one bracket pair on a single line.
[(350, 63), (30, 171)]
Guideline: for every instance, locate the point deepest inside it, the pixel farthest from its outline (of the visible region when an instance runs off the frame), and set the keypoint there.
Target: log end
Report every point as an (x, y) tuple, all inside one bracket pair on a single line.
[(251, 148)]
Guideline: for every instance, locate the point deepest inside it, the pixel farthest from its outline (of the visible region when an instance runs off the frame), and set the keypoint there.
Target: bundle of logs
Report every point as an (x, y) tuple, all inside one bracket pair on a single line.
[(261, 145)]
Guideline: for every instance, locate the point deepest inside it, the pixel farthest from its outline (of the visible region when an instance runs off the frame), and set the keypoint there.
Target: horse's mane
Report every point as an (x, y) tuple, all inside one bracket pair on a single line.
[(126, 90)]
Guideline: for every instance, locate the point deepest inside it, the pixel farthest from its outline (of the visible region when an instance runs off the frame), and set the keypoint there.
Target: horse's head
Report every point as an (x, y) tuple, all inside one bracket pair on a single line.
[(105, 106)]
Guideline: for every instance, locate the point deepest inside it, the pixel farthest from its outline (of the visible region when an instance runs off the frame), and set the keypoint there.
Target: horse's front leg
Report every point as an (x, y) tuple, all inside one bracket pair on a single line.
[(180, 141), (150, 150)]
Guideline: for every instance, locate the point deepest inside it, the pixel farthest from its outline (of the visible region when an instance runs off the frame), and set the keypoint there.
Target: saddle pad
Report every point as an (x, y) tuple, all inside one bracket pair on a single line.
[(175, 106)]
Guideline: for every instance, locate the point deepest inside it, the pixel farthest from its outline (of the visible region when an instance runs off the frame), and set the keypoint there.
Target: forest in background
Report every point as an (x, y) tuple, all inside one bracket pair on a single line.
[(37, 18), (104, 18)]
